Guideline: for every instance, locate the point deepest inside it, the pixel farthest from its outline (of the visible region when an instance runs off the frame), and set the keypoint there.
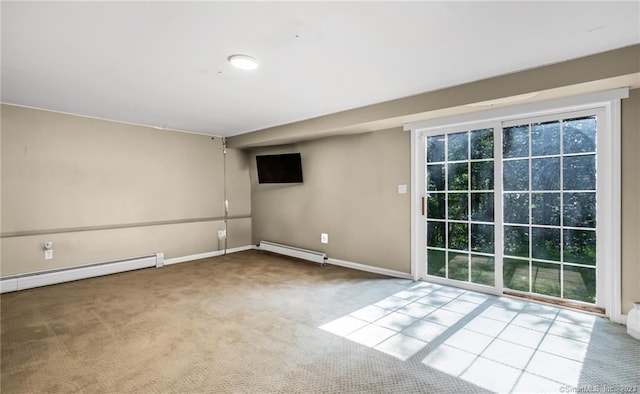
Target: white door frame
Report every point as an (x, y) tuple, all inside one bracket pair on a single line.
[(609, 178)]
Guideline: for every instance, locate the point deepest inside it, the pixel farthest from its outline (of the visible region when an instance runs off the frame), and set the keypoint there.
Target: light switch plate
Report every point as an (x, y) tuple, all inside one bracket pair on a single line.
[(402, 189)]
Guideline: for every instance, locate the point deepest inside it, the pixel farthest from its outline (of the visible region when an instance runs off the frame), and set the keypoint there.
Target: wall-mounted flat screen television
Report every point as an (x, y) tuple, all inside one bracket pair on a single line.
[(283, 168)]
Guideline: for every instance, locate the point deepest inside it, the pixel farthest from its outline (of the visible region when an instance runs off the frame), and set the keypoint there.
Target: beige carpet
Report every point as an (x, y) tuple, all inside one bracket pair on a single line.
[(242, 323)]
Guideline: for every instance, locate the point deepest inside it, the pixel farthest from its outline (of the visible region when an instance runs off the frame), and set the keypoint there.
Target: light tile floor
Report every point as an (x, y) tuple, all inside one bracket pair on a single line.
[(497, 343)]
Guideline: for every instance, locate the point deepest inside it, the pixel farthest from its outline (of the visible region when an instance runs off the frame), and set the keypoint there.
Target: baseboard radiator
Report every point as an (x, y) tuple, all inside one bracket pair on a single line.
[(50, 277), (292, 251)]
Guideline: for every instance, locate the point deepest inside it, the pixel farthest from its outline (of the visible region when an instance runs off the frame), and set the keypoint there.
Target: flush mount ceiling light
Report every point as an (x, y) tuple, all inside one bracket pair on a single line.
[(243, 62)]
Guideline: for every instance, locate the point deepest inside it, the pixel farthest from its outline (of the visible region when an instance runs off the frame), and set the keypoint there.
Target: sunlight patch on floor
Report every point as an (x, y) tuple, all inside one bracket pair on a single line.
[(497, 343)]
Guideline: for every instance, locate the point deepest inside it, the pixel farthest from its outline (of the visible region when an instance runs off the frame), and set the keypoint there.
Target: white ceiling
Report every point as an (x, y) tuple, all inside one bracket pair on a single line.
[(165, 63)]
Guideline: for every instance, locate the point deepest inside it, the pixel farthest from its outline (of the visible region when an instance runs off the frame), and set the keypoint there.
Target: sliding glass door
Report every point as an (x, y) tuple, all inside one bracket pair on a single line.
[(513, 206), (550, 204)]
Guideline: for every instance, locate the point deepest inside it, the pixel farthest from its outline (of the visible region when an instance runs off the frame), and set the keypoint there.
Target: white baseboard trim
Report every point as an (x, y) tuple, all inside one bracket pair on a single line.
[(198, 256), (369, 268), (159, 260), (293, 251), (45, 278), (8, 285)]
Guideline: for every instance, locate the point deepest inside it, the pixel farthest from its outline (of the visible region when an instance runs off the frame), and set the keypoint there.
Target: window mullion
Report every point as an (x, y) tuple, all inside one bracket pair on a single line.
[(469, 206), (561, 209), (446, 207), (497, 208)]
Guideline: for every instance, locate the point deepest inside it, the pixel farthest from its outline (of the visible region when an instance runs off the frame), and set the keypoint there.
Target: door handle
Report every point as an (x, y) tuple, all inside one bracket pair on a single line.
[(422, 206)]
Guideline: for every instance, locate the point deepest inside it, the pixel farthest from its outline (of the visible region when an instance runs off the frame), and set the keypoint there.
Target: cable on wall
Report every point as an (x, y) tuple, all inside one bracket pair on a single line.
[(224, 187)]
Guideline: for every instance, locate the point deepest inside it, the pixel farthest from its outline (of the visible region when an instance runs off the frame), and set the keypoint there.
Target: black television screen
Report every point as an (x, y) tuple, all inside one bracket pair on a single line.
[(284, 168)]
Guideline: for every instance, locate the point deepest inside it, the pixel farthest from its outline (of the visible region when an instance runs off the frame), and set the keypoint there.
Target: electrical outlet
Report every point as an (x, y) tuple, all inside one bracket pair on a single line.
[(222, 234), (48, 250), (324, 238)]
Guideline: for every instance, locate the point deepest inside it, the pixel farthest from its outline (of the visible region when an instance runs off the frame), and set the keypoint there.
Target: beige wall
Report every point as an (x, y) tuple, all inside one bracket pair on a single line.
[(350, 192), (603, 71), (239, 196), (103, 190), (630, 200), (94, 186)]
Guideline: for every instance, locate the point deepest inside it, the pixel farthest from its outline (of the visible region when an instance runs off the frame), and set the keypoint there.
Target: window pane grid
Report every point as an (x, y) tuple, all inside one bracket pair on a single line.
[(459, 195), (569, 243)]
